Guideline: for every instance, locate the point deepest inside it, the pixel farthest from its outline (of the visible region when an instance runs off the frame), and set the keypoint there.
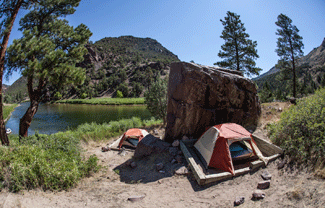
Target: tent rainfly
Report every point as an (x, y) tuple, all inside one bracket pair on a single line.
[(132, 137), (222, 144)]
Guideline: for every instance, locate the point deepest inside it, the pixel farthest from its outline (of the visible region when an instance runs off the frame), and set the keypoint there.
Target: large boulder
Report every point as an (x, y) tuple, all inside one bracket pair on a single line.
[(149, 145), (201, 96)]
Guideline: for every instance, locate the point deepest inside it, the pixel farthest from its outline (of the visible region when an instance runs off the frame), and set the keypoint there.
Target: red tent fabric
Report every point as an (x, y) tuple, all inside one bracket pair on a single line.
[(214, 145)]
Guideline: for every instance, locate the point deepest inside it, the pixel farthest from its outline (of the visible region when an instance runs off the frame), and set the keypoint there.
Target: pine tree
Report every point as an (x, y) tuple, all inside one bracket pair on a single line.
[(48, 52), (239, 52), (8, 13), (289, 48)]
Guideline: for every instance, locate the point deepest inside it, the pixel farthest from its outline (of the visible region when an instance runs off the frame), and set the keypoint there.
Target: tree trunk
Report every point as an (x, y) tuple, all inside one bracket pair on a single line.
[(4, 44), (26, 120)]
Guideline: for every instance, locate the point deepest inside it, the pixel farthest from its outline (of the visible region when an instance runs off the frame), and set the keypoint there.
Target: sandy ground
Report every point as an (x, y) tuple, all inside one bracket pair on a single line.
[(116, 182)]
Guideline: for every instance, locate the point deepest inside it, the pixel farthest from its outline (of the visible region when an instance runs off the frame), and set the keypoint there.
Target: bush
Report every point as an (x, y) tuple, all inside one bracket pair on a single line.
[(83, 95), (57, 96), (301, 130), (119, 94)]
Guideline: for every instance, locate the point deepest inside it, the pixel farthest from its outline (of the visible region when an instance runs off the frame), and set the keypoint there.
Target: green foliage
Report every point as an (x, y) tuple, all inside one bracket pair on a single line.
[(105, 101), (156, 99), (8, 109), (289, 48), (301, 130), (123, 88), (57, 46), (119, 94), (105, 131), (57, 96), (84, 95), (239, 52), (266, 94), (51, 162)]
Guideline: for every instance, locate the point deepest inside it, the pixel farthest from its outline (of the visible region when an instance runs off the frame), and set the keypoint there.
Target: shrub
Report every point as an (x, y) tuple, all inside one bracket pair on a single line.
[(119, 94), (301, 130), (83, 95)]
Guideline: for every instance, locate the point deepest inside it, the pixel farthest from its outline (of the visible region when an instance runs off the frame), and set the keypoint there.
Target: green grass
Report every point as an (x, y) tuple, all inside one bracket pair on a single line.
[(50, 162), (105, 101), (301, 131), (99, 132), (56, 162), (8, 109)]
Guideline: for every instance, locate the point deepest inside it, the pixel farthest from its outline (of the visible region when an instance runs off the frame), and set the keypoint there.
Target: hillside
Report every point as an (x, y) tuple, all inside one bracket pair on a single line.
[(125, 63), (310, 73)]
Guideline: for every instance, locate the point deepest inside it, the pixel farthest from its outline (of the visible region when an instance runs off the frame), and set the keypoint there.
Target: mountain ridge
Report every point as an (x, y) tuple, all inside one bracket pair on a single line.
[(124, 63)]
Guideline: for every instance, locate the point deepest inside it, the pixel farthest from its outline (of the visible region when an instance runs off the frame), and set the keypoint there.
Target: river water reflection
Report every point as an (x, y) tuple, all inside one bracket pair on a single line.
[(52, 118)]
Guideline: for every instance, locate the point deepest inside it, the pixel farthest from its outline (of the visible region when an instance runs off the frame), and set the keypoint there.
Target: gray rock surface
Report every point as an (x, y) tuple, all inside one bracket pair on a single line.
[(200, 97), (150, 144), (263, 184)]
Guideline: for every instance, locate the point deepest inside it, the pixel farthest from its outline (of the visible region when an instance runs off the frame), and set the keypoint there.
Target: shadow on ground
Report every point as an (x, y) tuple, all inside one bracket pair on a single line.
[(145, 170)]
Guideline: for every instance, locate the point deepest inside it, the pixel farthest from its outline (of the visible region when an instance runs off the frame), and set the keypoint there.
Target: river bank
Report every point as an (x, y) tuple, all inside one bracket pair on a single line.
[(7, 111), (104, 101)]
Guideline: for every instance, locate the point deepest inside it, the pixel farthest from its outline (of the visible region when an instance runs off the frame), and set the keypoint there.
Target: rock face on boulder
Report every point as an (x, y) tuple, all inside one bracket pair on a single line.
[(201, 96), (150, 144)]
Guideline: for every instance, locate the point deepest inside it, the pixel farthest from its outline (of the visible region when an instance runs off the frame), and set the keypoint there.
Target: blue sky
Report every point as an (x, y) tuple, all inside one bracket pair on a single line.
[(191, 29)]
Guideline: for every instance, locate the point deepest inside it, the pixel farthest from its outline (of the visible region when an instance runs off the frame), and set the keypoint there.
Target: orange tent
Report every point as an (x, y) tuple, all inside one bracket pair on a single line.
[(220, 145), (132, 137)]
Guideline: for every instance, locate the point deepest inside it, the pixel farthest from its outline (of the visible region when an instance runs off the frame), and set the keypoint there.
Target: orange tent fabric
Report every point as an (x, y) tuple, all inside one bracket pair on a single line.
[(134, 134)]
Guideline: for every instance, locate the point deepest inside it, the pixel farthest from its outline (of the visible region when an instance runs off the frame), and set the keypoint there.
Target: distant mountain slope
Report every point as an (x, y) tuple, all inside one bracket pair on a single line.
[(310, 72), (125, 63)]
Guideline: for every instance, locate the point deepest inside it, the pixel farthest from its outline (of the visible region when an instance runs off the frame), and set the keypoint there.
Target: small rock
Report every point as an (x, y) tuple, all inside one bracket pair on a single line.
[(159, 166), (239, 200), (136, 198), (266, 175), (105, 149), (182, 171), (175, 143), (156, 132), (263, 184), (281, 164), (179, 158), (258, 194), (185, 138), (174, 161), (122, 153), (173, 151), (133, 164)]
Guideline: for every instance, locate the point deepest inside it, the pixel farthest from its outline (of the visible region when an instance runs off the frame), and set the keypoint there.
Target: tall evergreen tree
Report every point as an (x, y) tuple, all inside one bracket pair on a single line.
[(289, 48), (48, 52), (239, 52), (8, 13)]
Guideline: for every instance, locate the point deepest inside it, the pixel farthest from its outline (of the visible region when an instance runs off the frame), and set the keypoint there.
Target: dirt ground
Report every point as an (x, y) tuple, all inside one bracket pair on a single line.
[(117, 181)]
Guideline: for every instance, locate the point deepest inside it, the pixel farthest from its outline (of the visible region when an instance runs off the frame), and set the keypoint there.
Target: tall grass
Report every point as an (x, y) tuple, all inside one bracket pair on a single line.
[(301, 130), (51, 162), (96, 132), (105, 101)]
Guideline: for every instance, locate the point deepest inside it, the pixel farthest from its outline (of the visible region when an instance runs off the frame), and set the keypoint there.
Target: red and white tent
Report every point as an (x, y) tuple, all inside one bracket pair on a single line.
[(215, 144)]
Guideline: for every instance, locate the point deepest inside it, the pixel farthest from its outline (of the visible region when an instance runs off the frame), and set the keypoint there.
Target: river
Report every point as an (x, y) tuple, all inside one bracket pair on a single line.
[(52, 118)]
